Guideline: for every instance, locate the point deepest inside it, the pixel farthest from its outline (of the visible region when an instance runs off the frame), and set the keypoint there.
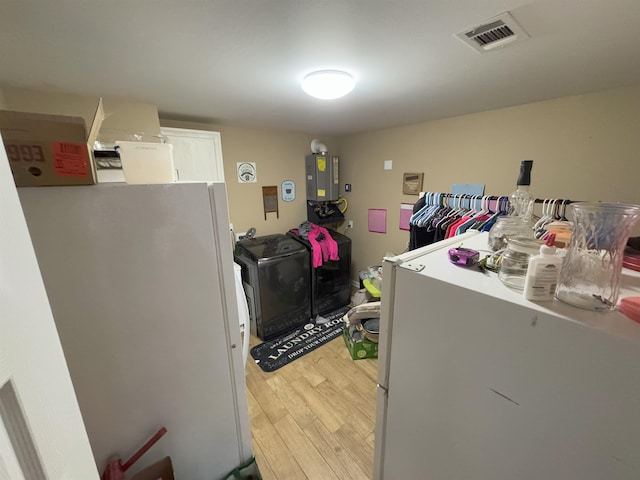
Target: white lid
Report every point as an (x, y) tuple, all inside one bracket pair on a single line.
[(547, 250), (524, 245), (145, 162)]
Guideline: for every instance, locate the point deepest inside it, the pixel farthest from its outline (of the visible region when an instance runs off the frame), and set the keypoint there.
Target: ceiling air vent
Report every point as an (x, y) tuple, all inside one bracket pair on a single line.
[(497, 32)]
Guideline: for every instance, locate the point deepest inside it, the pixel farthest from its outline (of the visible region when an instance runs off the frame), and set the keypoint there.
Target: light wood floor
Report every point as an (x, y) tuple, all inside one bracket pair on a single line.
[(314, 418)]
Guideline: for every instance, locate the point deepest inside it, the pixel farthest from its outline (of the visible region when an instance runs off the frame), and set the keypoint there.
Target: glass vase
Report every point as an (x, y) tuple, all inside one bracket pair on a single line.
[(590, 276), (507, 227)]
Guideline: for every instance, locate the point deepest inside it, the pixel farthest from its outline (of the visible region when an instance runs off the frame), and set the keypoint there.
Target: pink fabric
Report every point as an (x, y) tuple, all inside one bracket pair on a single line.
[(324, 249)]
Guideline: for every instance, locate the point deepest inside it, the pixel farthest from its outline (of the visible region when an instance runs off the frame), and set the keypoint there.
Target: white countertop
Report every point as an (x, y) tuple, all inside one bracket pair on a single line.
[(432, 261)]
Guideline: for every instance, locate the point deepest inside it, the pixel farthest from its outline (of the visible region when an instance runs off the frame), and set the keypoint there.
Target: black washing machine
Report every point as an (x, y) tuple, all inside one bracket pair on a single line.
[(331, 282), (276, 280)]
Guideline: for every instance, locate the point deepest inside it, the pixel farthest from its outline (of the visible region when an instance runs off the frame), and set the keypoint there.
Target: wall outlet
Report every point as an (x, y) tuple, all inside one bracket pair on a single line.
[(240, 235), (350, 224)]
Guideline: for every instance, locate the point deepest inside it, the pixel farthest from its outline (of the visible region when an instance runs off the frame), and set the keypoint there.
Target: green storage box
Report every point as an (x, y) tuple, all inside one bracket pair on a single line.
[(359, 349)]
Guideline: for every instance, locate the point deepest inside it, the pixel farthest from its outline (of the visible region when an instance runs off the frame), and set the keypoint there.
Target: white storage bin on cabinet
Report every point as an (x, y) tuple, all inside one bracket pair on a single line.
[(145, 163)]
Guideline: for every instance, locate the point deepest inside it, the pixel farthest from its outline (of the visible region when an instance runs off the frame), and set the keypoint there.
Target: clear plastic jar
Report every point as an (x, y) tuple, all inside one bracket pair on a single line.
[(515, 260), (507, 227)]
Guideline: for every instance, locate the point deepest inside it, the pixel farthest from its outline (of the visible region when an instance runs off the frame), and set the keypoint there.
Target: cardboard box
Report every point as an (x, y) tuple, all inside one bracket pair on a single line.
[(50, 149), (359, 348), (161, 470)]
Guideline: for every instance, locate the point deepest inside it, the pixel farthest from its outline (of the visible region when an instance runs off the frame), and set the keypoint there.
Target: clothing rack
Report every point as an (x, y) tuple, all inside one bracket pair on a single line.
[(555, 201), (556, 207), (465, 199), (566, 201), (441, 215), (468, 201)]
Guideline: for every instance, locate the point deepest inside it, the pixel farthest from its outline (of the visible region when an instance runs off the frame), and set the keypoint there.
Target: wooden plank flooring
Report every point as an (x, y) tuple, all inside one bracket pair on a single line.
[(314, 418)]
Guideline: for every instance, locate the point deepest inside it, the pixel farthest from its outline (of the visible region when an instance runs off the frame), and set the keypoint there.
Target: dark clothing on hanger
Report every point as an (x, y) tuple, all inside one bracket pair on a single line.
[(419, 236)]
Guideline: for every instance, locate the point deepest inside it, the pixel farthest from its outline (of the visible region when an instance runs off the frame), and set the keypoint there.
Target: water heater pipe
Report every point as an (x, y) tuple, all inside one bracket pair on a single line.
[(318, 147)]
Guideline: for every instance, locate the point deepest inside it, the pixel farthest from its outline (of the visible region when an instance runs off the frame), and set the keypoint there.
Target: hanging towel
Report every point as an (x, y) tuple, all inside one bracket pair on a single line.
[(323, 247)]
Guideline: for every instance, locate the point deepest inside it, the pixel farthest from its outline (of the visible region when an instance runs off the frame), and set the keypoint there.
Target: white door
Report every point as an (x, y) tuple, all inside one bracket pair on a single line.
[(197, 154), (42, 435)]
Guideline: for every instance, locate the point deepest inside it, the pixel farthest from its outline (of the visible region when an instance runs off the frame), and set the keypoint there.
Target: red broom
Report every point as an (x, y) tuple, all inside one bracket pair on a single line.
[(115, 468)]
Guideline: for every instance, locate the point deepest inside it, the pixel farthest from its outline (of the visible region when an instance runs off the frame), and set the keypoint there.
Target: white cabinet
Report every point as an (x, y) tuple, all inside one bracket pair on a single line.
[(141, 284), (478, 383), (197, 154), (41, 430)]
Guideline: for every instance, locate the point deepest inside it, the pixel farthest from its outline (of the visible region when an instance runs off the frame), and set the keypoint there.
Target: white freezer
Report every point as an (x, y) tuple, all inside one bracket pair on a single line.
[(476, 382), (141, 283)]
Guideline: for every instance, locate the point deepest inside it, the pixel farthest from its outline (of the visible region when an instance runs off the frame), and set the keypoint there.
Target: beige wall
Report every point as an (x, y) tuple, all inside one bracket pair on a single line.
[(3, 104), (122, 117), (279, 156), (585, 147)]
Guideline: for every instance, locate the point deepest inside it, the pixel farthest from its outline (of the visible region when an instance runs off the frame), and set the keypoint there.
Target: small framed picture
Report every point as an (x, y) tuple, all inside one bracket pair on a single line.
[(412, 183)]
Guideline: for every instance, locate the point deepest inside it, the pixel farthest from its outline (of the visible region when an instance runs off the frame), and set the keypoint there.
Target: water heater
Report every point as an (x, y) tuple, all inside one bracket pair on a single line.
[(323, 181)]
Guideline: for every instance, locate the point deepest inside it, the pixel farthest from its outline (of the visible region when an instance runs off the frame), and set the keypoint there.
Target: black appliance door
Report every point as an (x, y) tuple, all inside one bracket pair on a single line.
[(284, 293)]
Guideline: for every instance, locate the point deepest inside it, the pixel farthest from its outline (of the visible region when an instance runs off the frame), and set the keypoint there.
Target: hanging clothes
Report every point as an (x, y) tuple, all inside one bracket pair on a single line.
[(323, 247), (419, 236), (437, 216)]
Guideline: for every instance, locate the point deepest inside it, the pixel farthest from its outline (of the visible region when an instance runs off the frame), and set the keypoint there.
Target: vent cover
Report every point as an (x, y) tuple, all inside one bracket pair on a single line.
[(497, 32)]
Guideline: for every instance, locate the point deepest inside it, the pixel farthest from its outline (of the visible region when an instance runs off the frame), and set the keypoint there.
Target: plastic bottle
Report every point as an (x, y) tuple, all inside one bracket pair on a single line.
[(542, 273), (521, 201)]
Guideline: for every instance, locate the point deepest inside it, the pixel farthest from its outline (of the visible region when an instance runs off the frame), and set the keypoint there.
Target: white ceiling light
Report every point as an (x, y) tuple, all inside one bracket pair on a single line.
[(328, 84)]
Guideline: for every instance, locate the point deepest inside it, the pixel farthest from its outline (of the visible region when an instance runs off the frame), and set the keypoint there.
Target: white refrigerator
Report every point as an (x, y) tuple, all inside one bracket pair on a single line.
[(475, 382), (141, 284)]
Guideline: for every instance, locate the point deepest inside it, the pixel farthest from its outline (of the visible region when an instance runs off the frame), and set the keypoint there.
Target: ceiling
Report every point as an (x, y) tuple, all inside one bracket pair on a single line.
[(240, 62)]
